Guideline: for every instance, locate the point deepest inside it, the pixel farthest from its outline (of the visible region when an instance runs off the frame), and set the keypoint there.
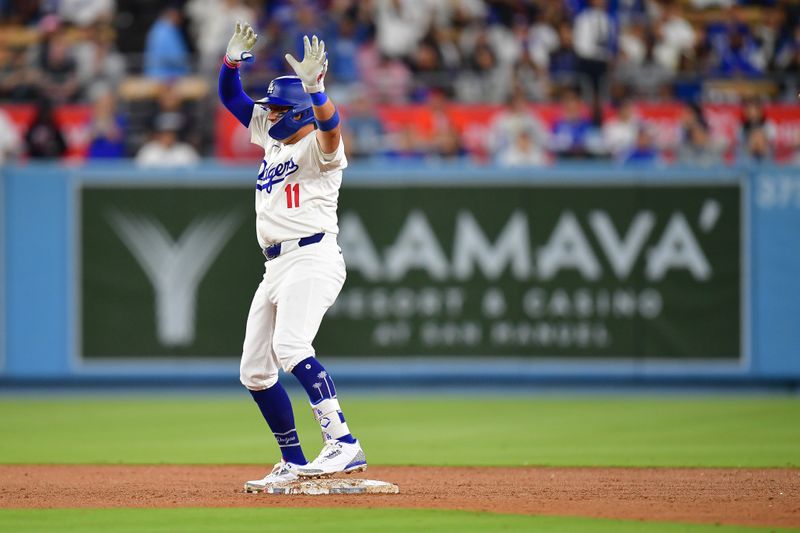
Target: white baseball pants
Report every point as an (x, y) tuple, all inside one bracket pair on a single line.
[(297, 289)]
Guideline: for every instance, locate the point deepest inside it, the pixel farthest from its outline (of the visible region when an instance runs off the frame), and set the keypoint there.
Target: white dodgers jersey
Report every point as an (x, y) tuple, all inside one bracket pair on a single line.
[(297, 190)]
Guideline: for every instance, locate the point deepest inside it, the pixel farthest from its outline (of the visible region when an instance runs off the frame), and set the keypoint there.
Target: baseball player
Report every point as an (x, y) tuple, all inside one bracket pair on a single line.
[(296, 225)]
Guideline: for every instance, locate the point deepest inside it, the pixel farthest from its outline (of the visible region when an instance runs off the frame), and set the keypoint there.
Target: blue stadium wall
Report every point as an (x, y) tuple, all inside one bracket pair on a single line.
[(732, 316)]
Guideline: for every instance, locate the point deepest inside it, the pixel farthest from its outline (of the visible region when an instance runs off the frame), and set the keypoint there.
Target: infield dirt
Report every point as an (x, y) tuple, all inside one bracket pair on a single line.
[(758, 497)]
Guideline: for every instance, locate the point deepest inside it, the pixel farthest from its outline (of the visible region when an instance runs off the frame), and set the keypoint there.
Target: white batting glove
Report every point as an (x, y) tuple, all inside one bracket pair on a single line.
[(241, 44), (313, 67)]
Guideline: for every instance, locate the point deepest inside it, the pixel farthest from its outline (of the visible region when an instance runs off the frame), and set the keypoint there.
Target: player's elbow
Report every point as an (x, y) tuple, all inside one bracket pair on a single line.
[(240, 107)]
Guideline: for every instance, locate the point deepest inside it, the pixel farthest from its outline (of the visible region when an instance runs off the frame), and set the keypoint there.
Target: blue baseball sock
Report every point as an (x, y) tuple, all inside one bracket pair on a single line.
[(276, 408), (319, 386)]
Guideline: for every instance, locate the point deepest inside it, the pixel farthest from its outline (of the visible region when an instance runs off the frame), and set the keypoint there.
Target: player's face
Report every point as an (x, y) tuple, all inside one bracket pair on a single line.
[(276, 112)]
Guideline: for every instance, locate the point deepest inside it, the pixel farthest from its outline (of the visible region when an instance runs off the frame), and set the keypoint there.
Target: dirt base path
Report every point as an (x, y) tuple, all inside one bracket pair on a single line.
[(763, 497)]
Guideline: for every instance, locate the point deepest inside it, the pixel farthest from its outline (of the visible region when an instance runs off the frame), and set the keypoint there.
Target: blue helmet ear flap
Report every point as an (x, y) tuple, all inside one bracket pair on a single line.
[(288, 126)]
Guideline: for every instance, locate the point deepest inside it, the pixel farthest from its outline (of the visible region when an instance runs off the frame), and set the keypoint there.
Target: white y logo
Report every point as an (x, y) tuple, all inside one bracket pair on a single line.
[(175, 268)]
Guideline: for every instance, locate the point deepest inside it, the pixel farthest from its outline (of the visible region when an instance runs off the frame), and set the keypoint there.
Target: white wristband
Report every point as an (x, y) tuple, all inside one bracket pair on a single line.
[(318, 88)]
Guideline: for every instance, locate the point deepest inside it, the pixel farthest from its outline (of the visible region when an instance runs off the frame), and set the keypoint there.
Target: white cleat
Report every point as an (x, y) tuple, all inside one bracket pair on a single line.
[(282, 472), (335, 457)]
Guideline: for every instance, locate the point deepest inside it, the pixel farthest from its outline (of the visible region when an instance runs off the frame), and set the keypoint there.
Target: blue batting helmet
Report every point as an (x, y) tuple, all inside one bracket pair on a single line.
[(288, 91)]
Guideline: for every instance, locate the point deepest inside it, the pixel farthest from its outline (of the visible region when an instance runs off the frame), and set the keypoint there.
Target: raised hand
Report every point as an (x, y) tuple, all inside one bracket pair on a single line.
[(241, 44), (314, 65)]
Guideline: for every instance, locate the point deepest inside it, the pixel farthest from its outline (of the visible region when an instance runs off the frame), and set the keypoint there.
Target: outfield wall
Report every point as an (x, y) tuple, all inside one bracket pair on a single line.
[(455, 273)]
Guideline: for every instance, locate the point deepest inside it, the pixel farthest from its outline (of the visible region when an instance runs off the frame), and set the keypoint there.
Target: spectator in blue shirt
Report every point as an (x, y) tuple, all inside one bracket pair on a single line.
[(736, 58), (344, 50), (107, 129), (365, 134), (571, 132), (563, 62), (166, 55), (719, 30), (645, 152)]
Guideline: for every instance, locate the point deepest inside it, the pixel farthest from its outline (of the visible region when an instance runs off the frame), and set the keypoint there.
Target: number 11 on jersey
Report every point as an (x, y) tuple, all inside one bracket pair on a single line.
[(292, 193)]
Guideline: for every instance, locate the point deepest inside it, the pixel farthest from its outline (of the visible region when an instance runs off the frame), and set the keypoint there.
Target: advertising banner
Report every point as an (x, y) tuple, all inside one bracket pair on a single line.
[(166, 271), (73, 120), (600, 271), (472, 122)]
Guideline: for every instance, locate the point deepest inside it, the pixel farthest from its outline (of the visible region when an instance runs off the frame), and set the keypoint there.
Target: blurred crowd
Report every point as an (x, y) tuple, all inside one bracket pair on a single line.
[(147, 68)]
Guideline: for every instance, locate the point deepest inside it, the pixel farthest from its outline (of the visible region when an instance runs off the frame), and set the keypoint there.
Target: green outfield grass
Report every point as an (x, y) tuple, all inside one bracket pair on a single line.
[(436, 430), (334, 520)]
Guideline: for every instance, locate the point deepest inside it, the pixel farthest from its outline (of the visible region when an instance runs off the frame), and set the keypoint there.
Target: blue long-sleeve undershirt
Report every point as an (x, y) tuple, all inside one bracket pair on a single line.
[(233, 96)]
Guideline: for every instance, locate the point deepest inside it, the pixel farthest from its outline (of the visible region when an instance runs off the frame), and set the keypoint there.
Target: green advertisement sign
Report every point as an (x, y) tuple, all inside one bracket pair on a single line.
[(589, 272), (166, 271)]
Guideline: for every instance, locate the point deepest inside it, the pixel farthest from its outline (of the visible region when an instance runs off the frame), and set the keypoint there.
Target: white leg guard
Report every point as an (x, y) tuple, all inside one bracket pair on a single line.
[(330, 418)]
